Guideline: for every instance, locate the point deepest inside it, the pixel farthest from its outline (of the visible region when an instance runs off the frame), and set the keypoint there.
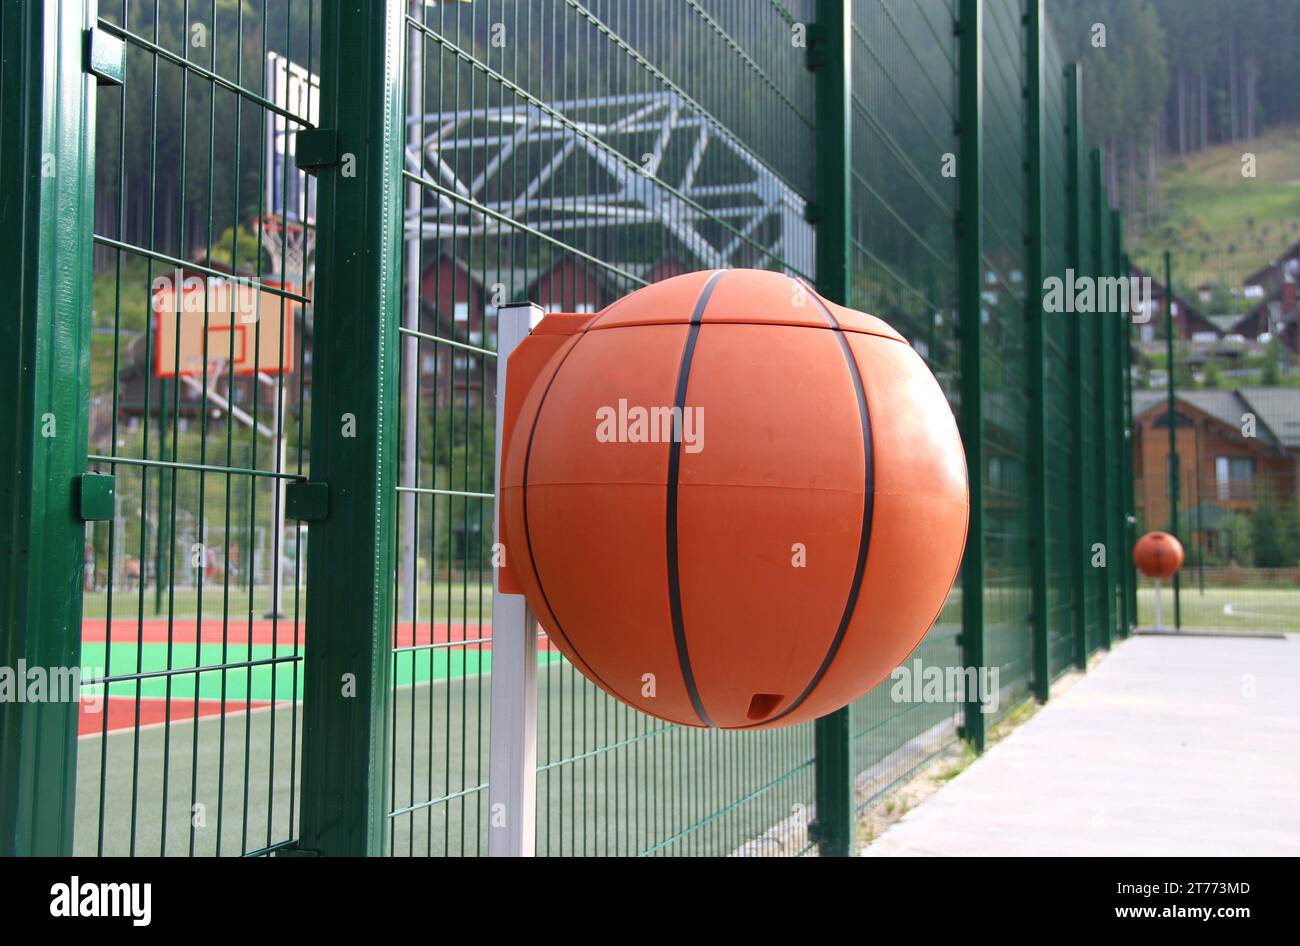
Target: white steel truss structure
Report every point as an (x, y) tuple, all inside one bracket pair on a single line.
[(641, 160)]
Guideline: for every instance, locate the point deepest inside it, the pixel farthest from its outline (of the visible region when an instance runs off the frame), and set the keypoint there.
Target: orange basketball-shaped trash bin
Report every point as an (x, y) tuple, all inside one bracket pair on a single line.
[(1158, 555), (729, 502)]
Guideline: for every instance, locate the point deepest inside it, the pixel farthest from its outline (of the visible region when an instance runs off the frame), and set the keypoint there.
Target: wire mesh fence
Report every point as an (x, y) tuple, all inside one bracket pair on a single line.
[(566, 154), (1221, 349), (1060, 347), (191, 634), (563, 153), (904, 269), (1006, 411)]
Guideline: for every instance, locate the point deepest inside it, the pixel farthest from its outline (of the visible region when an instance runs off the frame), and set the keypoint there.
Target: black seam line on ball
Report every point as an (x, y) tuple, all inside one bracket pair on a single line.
[(528, 537), (674, 468), (868, 495)]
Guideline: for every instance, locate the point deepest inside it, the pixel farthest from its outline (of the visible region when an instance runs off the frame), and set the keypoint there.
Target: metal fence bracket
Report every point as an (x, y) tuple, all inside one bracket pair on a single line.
[(105, 57), (307, 501), (315, 148), (96, 496)]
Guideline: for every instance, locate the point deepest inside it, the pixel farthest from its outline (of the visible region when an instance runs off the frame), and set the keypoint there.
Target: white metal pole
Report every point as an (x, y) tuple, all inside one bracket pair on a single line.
[(1160, 624), (406, 600), (277, 540), (512, 759)]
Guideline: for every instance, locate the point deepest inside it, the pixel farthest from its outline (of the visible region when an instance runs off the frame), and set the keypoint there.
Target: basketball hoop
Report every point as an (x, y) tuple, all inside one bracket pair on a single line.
[(289, 245)]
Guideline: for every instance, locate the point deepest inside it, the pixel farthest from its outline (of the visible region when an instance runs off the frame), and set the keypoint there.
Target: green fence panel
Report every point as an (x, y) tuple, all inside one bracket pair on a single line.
[(1108, 305), (49, 147), (1061, 483), (1233, 501), (1006, 408), (285, 627), (1092, 473), (199, 404), (1076, 261), (1124, 362), (567, 154), (1119, 559), (904, 269)]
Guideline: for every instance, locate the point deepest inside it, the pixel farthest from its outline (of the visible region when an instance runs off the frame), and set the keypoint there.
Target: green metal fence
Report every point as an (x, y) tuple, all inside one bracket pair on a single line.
[(1060, 481), (1221, 351), (904, 269), (200, 643), (919, 160), (1008, 578)]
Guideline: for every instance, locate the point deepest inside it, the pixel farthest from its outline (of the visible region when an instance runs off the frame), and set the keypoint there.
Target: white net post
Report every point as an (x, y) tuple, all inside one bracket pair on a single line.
[(512, 753)]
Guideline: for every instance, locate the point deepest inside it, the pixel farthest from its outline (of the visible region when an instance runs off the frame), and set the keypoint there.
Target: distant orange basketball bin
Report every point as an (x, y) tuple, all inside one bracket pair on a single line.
[(1158, 555), (728, 501)]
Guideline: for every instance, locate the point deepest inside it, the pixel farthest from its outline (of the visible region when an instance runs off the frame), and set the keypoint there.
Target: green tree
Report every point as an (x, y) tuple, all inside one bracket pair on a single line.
[(1273, 354), (1290, 527), (1212, 377), (1269, 537), (1125, 81), (177, 163), (1241, 539)]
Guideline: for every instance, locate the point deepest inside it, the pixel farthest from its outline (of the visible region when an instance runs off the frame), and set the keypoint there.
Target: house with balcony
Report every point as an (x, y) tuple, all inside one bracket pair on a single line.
[(1236, 450)]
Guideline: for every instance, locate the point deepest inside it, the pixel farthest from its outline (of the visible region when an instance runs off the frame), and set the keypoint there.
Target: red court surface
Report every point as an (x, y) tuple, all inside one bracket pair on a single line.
[(122, 710), (265, 631), (205, 646)]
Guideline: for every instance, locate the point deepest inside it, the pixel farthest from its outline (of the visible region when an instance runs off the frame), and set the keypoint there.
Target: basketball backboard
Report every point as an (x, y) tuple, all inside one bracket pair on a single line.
[(248, 329), (296, 91)]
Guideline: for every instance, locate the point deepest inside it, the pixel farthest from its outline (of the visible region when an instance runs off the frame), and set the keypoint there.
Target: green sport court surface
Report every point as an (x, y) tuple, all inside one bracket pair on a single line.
[(629, 772), (208, 714), (227, 742), (227, 739), (1222, 608), (245, 661)]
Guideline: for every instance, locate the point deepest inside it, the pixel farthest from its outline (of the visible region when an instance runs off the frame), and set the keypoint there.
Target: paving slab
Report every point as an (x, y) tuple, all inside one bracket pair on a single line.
[(1167, 746)]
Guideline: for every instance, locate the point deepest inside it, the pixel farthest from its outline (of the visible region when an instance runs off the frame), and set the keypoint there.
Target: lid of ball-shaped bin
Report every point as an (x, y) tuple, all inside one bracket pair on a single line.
[(741, 296)]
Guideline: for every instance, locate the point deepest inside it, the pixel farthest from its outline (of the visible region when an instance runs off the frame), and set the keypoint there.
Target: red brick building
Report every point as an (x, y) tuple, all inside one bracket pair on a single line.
[(453, 305), (572, 285)]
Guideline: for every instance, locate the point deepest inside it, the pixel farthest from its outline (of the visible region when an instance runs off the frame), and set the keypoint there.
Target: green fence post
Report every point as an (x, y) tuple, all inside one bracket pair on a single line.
[(1074, 250), (1106, 459), (350, 558), (1115, 558), (1199, 527), (970, 268), (47, 196), (162, 537), (1130, 484), (1041, 675), (1170, 328), (830, 56), (1119, 514)]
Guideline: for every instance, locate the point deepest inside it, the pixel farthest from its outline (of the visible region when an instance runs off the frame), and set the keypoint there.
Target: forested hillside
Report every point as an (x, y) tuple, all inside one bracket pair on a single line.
[(1175, 77)]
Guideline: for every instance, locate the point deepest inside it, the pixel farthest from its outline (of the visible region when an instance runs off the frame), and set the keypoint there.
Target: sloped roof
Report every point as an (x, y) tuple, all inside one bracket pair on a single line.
[(1288, 253), (1277, 409), (1224, 406), (1190, 314), (1226, 323)]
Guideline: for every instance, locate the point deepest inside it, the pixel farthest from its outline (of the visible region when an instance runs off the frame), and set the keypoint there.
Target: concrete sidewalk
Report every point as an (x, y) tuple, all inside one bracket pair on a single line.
[(1167, 747)]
